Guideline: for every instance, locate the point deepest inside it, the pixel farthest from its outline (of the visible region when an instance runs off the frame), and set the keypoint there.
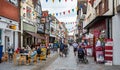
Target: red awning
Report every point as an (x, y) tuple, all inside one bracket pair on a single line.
[(35, 35)]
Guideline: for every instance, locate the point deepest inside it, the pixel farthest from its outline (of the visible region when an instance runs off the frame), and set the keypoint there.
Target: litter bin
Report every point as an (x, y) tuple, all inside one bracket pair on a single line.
[(1, 48)]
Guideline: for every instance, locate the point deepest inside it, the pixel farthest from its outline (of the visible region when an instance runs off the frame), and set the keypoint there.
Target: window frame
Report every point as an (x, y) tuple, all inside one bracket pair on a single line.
[(14, 2)]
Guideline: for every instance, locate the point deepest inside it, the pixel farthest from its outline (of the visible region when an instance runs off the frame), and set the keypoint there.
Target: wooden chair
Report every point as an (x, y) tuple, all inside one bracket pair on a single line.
[(22, 59), (5, 57), (32, 59)]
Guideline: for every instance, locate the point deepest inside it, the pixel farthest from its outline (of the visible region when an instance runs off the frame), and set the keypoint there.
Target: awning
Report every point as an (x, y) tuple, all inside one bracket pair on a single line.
[(35, 35), (98, 18)]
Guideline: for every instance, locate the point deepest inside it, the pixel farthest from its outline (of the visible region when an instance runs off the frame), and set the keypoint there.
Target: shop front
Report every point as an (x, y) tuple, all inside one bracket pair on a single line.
[(8, 33), (29, 34), (99, 27)]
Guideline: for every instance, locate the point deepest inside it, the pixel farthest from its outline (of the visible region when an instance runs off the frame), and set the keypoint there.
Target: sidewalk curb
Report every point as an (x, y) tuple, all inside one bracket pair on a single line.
[(43, 64)]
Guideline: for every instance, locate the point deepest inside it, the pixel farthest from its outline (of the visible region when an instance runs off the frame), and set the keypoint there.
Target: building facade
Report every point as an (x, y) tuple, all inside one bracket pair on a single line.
[(116, 33), (9, 23), (98, 21), (30, 11)]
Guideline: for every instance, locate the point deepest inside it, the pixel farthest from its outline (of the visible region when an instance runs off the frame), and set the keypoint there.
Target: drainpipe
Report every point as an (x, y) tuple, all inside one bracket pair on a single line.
[(113, 8), (19, 34)]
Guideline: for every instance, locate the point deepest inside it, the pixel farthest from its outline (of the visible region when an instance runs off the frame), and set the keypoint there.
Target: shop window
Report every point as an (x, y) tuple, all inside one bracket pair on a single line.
[(15, 2), (29, 41), (106, 5), (97, 10), (100, 8)]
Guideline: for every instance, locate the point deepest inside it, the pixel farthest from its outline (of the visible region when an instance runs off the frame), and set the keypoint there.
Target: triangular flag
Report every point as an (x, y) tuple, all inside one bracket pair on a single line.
[(60, 13), (53, 1), (53, 14), (63, 12), (56, 14), (68, 11), (59, 0), (76, 8), (72, 10), (71, 0), (65, 0), (46, 0)]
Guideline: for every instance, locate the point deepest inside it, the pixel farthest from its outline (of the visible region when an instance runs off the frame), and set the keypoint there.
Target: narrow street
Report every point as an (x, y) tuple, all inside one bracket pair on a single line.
[(70, 63)]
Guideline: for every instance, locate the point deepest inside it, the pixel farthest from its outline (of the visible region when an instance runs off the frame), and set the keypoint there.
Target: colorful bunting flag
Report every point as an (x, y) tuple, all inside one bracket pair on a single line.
[(56, 14), (60, 13), (72, 10), (46, 0), (65, 0), (59, 0), (53, 1), (64, 12), (53, 14), (68, 11)]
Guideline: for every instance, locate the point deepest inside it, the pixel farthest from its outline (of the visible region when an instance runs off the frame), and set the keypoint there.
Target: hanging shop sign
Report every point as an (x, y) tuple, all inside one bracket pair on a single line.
[(43, 20), (96, 33), (44, 13), (12, 27)]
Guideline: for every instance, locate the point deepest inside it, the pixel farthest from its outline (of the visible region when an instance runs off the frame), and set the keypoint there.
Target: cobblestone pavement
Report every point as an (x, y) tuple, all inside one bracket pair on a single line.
[(70, 63)]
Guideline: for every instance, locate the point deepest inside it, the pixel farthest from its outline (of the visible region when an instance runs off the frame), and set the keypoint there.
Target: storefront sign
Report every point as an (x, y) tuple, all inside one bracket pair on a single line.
[(96, 33), (43, 20), (99, 56), (41, 28), (12, 27), (45, 13)]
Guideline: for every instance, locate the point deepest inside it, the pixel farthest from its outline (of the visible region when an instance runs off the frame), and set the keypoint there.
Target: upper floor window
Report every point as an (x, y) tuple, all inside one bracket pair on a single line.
[(39, 10), (15, 2), (28, 12), (106, 5)]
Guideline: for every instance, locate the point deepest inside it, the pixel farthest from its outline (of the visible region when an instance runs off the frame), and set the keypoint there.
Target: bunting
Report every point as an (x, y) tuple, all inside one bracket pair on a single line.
[(65, 12), (59, 1), (53, 1), (46, 0)]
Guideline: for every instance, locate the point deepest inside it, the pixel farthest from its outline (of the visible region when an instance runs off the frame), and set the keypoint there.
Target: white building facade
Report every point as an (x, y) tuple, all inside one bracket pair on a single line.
[(116, 32)]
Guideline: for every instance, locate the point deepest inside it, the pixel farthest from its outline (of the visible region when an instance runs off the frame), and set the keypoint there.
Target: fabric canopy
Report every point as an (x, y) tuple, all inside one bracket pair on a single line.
[(35, 35)]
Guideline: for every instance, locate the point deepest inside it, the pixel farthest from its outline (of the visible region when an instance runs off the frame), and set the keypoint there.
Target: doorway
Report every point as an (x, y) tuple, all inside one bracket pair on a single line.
[(7, 43)]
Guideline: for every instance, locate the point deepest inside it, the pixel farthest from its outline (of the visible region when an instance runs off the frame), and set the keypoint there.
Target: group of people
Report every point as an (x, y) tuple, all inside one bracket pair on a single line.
[(63, 49), (79, 49), (31, 51), (60, 47)]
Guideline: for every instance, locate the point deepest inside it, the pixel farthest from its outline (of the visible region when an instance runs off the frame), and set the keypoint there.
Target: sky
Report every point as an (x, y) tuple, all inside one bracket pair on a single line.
[(60, 7)]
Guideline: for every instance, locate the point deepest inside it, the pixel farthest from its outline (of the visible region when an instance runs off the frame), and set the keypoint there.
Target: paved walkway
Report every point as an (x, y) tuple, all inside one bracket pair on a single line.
[(11, 66), (70, 63), (59, 63)]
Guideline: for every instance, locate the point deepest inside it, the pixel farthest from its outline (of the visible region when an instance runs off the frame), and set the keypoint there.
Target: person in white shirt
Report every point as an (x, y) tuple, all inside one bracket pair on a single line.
[(75, 46)]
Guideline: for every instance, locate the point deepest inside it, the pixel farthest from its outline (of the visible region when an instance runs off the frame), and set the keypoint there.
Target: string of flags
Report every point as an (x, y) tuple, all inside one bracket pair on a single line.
[(70, 22), (64, 12), (58, 0)]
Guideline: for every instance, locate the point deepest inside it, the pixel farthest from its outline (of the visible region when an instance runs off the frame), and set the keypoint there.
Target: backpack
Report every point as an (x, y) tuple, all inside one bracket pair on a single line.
[(80, 51)]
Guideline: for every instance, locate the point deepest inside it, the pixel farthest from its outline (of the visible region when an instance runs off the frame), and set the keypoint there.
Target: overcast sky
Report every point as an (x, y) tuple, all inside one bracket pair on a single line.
[(62, 6)]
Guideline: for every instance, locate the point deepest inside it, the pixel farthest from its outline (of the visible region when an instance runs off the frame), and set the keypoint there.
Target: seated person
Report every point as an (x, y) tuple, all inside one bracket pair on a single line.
[(81, 52), (33, 53)]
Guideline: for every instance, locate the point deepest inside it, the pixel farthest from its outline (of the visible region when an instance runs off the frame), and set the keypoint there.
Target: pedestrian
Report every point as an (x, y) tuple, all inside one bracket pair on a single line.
[(65, 50), (61, 49), (10, 53), (75, 46)]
